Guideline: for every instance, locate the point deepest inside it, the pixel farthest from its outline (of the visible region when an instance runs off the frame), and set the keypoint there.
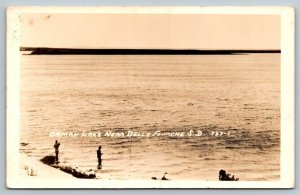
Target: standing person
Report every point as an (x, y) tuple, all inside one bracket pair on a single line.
[(99, 156), (56, 147)]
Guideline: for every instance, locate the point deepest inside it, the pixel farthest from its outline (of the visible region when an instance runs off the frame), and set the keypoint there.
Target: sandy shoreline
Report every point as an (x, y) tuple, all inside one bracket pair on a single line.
[(45, 176), (31, 168), (50, 177)]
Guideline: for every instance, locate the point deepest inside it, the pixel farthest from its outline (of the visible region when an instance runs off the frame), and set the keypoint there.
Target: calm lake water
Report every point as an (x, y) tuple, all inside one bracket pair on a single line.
[(234, 100)]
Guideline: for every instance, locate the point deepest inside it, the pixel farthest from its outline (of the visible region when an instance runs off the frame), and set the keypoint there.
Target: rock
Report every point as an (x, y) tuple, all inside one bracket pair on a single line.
[(49, 160), (73, 170)]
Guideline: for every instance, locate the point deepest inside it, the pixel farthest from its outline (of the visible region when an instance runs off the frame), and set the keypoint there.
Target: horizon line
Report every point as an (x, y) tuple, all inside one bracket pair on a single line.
[(135, 51)]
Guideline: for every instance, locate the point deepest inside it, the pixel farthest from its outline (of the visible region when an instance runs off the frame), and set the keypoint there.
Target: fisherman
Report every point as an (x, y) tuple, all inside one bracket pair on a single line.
[(223, 176), (99, 156), (56, 147)]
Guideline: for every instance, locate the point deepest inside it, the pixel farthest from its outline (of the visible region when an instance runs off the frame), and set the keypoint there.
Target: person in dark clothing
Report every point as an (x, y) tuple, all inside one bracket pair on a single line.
[(99, 156), (223, 176), (56, 147)]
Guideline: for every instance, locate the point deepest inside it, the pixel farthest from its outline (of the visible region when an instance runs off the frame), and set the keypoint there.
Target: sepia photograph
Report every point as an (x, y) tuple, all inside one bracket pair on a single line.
[(157, 97)]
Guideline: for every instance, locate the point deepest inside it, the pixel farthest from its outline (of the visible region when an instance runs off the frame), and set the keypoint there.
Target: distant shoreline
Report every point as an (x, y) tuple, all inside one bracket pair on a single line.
[(73, 51)]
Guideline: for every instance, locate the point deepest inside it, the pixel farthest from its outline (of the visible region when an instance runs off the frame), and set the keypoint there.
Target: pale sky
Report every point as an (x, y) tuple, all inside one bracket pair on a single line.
[(177, 31)]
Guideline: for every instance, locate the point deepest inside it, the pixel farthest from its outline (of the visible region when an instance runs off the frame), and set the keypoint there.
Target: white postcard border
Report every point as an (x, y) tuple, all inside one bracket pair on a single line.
[(287, 154)]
